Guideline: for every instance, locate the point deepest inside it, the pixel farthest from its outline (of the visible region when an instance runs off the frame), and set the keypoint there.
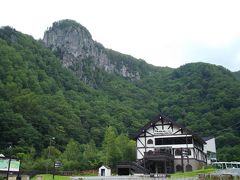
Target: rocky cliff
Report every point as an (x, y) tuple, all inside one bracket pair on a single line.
[(74, 45)]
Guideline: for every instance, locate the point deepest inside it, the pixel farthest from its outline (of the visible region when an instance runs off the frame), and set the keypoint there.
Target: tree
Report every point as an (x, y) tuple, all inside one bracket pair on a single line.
[(110, 152), (91, 155), (27, 159), (126, 148), (72, 157)]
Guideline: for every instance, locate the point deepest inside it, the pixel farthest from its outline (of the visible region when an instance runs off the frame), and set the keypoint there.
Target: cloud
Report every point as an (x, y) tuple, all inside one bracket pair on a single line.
[(164, 33), (227, 55)]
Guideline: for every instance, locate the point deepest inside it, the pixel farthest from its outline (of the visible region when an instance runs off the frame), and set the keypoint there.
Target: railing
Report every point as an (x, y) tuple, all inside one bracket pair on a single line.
[(158, 154), (138, 168)]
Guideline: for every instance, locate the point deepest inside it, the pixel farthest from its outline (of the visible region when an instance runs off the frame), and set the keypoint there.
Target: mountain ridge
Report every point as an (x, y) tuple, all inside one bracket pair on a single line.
[(46, 99), (74, 45)]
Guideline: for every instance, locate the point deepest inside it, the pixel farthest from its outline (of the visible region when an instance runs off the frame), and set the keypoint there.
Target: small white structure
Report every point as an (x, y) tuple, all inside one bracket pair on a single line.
[(104, 171)]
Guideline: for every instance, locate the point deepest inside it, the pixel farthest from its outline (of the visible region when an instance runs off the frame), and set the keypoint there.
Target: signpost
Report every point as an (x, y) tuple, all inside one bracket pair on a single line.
[(57, 164)]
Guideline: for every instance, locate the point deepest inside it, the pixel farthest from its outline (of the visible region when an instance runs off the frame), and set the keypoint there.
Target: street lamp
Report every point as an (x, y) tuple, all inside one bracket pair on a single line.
[(9, 162), (187, 150), (51, 140)]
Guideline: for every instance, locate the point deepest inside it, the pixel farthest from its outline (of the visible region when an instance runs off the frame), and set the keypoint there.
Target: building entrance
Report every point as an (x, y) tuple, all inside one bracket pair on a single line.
[(160, 167), (157, 167)]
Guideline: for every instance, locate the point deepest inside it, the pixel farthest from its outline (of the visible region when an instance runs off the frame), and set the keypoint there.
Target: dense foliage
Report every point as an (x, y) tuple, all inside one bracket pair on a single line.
[(76, 156), (40, 99), (237, 75)]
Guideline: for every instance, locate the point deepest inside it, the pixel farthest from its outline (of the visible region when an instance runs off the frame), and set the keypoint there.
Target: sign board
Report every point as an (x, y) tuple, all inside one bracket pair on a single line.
[(57, 164), (163, 132), (14, 166)]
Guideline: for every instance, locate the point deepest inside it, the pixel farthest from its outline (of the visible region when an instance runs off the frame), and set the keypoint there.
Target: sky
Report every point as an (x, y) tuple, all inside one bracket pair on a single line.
[(162, 32)]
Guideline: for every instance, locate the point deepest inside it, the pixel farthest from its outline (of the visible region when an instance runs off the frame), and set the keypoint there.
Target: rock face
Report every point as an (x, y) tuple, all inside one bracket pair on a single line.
[(74, 45)]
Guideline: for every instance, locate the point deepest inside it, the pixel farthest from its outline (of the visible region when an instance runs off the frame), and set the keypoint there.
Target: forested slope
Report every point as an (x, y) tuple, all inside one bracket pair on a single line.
[(47, 99), (41, 99), (237, 75)]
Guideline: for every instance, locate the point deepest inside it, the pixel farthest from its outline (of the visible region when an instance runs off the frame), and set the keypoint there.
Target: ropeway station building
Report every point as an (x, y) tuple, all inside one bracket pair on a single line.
[(164, 146)]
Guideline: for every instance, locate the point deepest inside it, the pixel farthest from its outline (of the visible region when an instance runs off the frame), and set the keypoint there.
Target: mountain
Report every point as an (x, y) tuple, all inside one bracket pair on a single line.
[(70, 87), (44, 99), (74, 45), (198, 95), (32, 97)]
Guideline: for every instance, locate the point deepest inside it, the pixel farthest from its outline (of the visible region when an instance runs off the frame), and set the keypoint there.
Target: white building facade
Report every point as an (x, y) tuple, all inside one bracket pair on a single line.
[(104, 171), (210, 149), (163, 146)]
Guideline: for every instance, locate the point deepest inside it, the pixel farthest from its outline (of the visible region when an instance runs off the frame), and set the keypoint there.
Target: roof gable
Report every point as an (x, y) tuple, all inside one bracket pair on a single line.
[(208, 138), (163, 119), (104, 167)]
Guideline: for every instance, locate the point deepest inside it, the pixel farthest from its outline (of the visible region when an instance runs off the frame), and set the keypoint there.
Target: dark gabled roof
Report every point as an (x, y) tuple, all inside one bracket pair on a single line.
[(157, 118), (105, 166), (208, 138)]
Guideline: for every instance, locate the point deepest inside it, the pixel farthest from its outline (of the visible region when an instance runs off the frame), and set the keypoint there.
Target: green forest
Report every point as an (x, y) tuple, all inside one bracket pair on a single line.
[(48, 113)]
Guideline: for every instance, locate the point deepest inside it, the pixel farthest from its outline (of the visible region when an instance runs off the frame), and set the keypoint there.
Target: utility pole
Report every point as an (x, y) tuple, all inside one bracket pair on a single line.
[(54, 166), (9, 161), (182, 160), (49, 151), (187, 153)]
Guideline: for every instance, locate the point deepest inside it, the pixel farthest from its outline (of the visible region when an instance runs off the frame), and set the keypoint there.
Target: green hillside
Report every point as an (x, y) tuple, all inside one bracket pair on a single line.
[(237, 75), (41, 99)]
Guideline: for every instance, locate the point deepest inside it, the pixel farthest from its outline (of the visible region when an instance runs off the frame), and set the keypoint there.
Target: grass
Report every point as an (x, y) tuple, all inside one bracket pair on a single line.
[(50, 177), (93, 173), (57, 177), (193, 173)]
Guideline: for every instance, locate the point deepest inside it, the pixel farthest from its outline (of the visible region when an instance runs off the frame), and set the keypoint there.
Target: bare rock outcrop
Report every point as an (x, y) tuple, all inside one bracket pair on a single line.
[(74, 45)]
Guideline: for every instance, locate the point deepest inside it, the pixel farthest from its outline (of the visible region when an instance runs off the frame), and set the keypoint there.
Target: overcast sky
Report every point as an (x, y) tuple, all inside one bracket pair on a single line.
[(162, 32)]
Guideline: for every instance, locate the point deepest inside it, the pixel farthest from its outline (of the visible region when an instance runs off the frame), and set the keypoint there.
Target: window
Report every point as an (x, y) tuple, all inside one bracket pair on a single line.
[(168, 141), (183, 140), (150, 152), (158, 141), (173, 140), (188, 152), (178, 168), (150, 141), (178, 152), (188, 167)]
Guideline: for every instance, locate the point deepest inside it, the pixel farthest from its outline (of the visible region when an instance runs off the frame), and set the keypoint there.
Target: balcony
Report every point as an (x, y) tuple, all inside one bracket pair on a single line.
[(159, 154)]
